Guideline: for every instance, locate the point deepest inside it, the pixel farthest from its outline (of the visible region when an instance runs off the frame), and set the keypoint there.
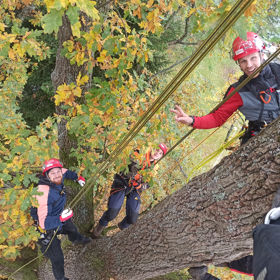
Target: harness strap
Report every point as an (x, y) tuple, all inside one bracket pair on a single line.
[(134, 182)]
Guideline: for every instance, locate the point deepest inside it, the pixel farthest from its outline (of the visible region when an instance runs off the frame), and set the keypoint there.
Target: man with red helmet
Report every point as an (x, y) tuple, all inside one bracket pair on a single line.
[(51, 215), (128, 184), (258, 100)]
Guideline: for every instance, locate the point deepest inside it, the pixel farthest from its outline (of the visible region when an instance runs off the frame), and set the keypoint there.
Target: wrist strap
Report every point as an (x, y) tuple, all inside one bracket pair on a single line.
[(192, 120)]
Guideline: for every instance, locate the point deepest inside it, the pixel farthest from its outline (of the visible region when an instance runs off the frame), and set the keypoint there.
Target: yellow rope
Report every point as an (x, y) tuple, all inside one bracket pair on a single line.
[(190, 65)]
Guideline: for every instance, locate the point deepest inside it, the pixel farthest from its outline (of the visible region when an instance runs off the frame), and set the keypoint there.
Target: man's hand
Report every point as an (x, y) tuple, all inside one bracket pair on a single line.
[(181, 116), (81, 181), (272, 214), (66, 215)]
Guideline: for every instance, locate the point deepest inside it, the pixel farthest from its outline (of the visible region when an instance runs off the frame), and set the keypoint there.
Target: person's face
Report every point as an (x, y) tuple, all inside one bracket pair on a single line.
[(158, 154), (55, 176), (249, 63)]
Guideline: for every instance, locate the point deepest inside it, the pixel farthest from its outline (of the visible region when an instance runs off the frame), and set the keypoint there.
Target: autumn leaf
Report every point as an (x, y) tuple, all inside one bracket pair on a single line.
[(251, 10)]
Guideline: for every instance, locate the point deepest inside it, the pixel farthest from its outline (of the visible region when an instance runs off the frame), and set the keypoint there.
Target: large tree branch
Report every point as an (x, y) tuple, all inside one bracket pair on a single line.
[(210, 220)]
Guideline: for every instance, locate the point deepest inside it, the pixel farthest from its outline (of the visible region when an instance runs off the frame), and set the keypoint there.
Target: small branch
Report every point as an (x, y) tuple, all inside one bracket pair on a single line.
[(180, 40), (170, 67), (120, 17), (168, 22)]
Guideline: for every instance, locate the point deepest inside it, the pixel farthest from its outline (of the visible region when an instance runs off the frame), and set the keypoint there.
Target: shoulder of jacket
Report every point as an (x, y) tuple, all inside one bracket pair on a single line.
[(274, 66), (230, 89), (43, 188)]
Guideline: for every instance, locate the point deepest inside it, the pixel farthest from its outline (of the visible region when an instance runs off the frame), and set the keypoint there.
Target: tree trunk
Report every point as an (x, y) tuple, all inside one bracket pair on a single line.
[(210, 220), (66, 73)]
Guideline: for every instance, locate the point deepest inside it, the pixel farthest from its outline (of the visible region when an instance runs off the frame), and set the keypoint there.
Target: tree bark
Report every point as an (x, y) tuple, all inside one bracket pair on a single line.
[(210, 220), (67, 73)]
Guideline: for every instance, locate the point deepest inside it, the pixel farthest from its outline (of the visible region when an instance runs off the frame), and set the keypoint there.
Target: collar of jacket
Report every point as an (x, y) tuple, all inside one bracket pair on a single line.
[(43, 180)]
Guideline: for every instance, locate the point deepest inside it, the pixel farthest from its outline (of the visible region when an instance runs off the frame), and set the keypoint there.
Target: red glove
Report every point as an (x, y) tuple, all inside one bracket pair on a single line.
[(66, 215), (81, 181)]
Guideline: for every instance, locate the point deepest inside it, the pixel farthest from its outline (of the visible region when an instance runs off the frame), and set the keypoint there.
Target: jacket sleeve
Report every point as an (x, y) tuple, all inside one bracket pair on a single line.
[(45, 221), (220, 116), (68, 174)]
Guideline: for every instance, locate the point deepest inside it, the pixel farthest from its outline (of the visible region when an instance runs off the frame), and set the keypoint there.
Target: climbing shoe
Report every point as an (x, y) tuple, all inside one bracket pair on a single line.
[(97, 231), (83, 241), (200, 273), (120, 226)]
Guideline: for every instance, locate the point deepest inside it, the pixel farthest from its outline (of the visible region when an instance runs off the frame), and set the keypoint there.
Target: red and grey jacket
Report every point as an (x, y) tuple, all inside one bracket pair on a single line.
[(51, 202), (259, 100)]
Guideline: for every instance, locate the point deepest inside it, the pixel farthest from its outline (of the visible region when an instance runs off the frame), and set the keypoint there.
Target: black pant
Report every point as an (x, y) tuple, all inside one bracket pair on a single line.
[(55, 253), (115, 202)]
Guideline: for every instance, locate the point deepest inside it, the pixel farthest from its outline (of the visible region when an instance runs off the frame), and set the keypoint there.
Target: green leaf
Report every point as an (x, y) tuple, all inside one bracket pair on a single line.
[(73, 14), (5, 177), (25, 204), (52, 21), (5, 50)]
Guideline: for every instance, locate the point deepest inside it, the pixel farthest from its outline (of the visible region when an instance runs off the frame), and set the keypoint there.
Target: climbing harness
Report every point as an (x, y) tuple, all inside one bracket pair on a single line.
[(135, 181), (253, 129)]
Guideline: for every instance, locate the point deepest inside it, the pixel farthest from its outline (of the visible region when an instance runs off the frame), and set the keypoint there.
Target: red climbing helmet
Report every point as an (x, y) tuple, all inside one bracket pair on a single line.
[(163, 147), (50, 164), (241, 48)]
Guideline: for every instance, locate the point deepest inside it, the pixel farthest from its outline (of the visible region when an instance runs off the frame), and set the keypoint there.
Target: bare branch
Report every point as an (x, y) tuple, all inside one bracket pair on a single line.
[(180, 40)]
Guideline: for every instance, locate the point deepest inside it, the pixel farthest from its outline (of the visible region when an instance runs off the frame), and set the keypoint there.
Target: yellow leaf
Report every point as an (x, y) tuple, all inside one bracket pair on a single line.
[(2, 26), (102, 56), (192, 10), (5, 215), (77, 91), (64, 3), (15, 212), (12, 54), (79, 109), (49, 4), (88, 7), (137, 12), (81, 81), (150, 3), (76, 29), (23, 220)]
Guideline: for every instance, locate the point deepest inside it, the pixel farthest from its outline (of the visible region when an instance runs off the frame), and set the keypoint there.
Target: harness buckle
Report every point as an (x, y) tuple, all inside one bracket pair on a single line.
[(265, 93)]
